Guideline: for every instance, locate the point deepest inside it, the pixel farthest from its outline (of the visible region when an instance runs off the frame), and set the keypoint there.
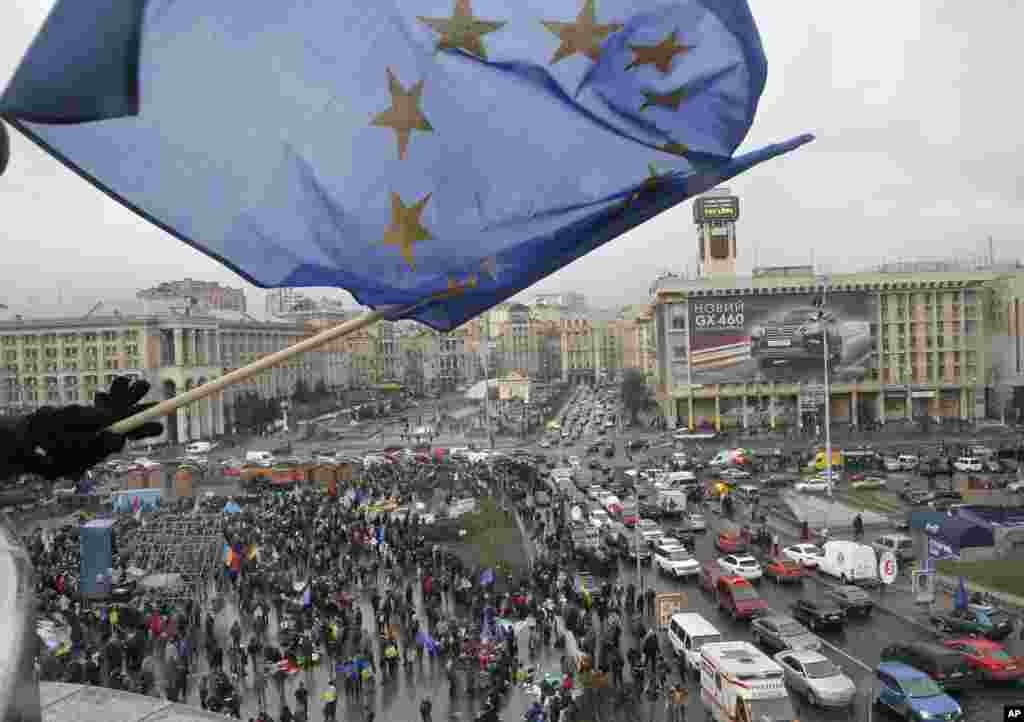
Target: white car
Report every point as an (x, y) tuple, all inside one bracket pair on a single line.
[(892, 464), (732, 473), (967, 464), (675, 560), (742, 566), (811, 485), (544, 444), (574, 461), (1016, 487), (807, 554)]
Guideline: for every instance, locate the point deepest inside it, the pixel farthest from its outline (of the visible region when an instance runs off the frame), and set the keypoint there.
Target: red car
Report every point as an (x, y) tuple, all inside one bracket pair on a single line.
[(990, 658), (784, 571), (730, 543)]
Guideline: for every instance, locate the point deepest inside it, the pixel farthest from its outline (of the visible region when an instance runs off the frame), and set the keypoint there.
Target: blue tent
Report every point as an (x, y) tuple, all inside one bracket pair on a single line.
[(232, 508)]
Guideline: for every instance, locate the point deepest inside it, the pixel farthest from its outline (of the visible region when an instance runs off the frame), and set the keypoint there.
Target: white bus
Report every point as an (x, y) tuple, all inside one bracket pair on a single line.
[(740, 683)]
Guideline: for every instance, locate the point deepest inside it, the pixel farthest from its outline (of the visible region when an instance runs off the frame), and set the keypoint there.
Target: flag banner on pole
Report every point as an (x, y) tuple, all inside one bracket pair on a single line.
[(398, 150)]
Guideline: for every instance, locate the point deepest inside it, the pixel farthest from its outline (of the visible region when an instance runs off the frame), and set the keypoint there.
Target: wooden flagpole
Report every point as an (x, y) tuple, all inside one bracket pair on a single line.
[(168, 406)]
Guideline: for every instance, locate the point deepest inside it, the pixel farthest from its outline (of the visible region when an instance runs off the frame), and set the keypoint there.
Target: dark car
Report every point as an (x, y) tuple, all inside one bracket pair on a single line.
[(609, 451), (818, 614), (946, 666), (917, 497), (991, 625), (852, 600), (594, 464), (639, 445), (594, 449), (800, 335), (650, 510), (778, 634)]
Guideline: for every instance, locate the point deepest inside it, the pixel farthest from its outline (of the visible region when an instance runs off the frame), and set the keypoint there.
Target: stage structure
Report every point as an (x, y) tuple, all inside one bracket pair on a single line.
[(188, 545)]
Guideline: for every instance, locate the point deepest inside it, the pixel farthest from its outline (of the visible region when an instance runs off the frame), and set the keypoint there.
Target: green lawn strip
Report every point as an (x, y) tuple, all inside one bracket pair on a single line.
[(492, 539), (1003, 575), (870, 501)]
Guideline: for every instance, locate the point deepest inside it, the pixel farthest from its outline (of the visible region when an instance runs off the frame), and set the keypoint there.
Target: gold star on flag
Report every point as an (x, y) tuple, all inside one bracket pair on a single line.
[(584, 36), (462, 30), (404, 115), (660, 55), (664, 100), (405, 228)]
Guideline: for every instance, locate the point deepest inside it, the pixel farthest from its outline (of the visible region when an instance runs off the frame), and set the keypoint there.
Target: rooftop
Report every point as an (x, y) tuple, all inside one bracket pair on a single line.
[(98, 704)]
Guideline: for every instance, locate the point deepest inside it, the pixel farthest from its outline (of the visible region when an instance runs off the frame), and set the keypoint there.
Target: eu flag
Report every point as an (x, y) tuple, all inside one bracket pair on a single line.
[(398, 150)]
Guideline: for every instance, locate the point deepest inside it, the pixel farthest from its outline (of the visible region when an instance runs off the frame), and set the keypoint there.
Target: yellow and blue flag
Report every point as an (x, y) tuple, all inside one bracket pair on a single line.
[(399, 150)]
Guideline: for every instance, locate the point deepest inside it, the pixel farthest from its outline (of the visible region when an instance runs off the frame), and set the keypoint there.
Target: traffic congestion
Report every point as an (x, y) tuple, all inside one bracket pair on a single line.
[(802, 603), (657, 569)]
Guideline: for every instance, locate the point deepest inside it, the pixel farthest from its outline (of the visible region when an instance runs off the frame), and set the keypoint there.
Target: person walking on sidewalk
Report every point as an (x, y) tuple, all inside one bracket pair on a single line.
[(426, 707)]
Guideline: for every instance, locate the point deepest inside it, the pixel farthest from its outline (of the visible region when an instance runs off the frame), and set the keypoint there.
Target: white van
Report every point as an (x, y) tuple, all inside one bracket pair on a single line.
[(676, 479), (198, 448), (849, 561), (687, 633), (259, 457)]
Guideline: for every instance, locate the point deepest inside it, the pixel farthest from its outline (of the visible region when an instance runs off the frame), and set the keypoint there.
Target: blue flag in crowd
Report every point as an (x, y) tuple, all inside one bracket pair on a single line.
[(380, 535), (307, 596), (487, 577), (398, 150)]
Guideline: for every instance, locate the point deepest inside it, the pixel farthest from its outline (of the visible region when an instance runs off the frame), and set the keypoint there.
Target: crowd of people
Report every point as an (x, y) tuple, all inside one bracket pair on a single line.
[(345, 584)]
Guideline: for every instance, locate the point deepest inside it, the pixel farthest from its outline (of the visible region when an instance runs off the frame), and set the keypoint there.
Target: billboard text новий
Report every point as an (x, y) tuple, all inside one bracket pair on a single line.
[(742, 339)]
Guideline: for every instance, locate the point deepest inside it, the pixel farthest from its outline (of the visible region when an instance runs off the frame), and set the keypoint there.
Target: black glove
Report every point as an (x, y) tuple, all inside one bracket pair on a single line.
[(56, 442)]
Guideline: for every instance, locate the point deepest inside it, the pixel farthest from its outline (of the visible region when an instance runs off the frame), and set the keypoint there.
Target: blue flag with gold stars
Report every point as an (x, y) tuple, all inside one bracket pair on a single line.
[(396, 149)]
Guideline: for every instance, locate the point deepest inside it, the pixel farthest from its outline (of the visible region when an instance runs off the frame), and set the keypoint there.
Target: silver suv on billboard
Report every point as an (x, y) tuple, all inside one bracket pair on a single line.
[(798, 336)]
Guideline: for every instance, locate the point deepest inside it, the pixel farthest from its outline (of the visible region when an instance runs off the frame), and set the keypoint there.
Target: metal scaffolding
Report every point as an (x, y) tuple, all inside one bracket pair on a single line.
[(190, 545)]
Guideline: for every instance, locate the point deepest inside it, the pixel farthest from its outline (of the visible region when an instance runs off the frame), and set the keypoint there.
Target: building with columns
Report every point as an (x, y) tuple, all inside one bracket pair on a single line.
[(175, 346)]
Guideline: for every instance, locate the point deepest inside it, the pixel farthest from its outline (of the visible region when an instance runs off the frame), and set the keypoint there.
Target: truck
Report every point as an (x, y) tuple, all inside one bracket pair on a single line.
[(740, 683), (672, 502)]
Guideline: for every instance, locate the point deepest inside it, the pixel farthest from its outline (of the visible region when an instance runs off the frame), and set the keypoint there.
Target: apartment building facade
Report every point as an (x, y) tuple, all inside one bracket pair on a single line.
[(943, 345)]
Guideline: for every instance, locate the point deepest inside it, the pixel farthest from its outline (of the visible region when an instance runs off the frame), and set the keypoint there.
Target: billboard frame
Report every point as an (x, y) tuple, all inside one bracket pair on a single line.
[(708, 209)]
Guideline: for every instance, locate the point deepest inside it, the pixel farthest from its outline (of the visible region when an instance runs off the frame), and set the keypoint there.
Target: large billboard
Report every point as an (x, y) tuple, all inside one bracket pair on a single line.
[(742, 339)]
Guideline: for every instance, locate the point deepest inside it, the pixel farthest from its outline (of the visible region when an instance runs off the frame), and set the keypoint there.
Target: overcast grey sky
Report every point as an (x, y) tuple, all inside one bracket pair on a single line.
[(916, 106)]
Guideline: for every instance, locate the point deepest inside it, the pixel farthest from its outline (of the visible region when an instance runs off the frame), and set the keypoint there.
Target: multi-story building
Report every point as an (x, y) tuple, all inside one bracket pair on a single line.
[(52, 361), (926, 341), (571, 301), (646, 359), (207, 294)]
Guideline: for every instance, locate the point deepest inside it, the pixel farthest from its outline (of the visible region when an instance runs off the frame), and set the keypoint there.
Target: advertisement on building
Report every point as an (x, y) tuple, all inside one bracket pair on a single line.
[(782, 338)]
